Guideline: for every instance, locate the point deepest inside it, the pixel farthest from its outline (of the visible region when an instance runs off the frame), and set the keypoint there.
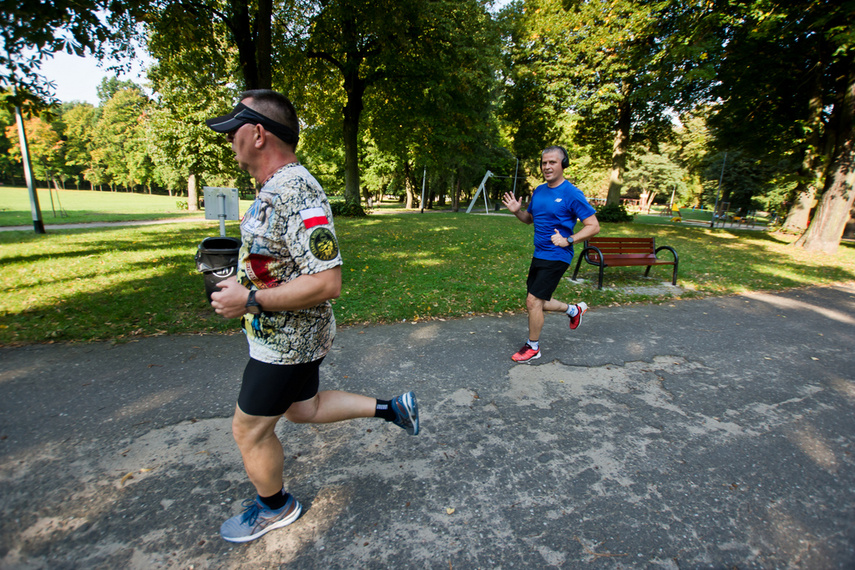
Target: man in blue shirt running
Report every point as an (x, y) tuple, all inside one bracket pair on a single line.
[(554, 209)]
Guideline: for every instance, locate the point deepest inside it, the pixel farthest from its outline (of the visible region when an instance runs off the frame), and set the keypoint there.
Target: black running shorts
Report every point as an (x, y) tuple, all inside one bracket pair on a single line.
[(270, 389), (544, 276)]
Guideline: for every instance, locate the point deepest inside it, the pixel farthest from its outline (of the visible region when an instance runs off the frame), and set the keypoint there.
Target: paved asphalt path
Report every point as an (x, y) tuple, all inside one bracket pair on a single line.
[(714, 433)]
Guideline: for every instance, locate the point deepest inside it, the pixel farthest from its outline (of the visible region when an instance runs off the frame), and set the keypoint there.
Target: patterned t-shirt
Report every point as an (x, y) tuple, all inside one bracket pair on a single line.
[(287, 232)]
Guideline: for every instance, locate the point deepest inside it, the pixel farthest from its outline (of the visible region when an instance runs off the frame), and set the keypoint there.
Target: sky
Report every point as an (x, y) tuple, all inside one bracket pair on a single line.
[(77, 78)]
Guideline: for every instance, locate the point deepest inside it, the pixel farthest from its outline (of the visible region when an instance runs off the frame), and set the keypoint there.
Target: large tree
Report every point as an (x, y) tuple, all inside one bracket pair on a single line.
[(327, 51), (194, 79), (621, 66), (120, 136), (30, 32), (79, 126), (785, 81), (838, 195), (366, 43), (45, 146), (439, 115)]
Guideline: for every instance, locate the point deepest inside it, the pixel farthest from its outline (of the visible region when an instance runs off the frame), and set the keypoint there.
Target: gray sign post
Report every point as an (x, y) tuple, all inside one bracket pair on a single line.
[(222, 204)]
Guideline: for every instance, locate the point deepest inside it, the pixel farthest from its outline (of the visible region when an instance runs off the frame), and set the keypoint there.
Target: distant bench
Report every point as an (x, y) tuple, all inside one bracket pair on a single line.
[(625, 252)]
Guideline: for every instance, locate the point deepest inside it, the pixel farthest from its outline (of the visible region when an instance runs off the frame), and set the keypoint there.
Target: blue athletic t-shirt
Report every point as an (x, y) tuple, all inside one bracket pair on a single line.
[(556, 208)]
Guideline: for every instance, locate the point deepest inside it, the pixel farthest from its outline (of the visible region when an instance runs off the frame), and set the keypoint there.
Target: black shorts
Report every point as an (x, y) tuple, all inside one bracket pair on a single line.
[(544, 276), (270, 389)]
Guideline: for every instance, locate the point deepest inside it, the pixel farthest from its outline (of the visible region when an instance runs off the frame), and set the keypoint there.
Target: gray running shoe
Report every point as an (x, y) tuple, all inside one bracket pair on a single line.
[(257, 519), (406, 412)]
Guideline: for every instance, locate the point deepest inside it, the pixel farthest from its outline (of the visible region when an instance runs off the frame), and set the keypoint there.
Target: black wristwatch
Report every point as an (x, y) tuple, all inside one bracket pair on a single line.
[(252, 306)]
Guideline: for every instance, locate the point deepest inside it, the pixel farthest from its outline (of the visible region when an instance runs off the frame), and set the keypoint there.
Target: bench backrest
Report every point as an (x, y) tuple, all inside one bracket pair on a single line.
[(629, 246)]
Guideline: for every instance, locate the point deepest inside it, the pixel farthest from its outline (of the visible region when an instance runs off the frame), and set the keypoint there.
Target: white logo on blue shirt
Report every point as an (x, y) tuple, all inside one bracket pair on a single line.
[(558, 199)]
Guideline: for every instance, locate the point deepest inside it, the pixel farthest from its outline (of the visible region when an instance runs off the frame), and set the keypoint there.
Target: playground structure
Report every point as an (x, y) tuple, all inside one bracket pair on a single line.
[(482, 189), (734, 219)]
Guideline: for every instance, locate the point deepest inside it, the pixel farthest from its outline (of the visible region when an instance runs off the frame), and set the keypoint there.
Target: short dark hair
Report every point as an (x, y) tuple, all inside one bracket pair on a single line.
[(273, 105), (565, 159)]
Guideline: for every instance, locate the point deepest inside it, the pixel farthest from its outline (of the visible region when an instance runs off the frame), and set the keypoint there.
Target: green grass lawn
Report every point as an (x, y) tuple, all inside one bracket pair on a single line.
[(123, 282)]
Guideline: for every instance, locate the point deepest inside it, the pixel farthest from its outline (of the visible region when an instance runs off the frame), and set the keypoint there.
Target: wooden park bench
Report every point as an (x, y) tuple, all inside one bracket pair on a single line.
[(625, 252)]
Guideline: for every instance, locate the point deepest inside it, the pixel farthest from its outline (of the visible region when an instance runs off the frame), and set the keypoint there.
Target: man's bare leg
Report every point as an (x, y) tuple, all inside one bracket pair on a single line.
[(261, 450), (330, 406), (536, 308)]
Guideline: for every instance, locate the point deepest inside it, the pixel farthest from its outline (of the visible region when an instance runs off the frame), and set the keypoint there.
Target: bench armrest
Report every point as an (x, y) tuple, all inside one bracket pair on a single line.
[(676, 261), (669, 248), (588, 249), (584, 255)]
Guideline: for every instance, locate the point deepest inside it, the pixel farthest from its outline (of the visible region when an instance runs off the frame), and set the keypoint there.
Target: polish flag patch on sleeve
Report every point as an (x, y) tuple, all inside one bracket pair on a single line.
[(314, 217)]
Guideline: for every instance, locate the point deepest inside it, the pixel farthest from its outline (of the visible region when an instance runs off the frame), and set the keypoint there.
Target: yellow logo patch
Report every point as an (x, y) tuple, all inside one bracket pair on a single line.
[(323, 244)]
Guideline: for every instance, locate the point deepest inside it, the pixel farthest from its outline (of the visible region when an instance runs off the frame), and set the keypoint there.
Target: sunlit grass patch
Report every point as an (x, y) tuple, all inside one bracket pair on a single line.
[(119, 283)]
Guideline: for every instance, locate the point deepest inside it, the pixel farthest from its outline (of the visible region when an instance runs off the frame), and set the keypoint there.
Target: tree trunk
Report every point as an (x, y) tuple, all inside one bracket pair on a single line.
[(799, 213), (239, 22), (813, 164), (455, 197), (835, 205), (834, 210), (646, 200), (354, 88), (620, 145), (263, 41), (192, 193), (408, 187)]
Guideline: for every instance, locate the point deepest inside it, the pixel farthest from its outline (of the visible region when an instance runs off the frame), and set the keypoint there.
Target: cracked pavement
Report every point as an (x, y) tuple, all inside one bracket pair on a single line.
[(703, 433)]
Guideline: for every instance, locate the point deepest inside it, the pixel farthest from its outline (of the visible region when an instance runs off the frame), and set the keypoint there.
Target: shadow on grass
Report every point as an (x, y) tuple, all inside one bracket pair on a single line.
[(729, 261), (113, 286), (118, 283)]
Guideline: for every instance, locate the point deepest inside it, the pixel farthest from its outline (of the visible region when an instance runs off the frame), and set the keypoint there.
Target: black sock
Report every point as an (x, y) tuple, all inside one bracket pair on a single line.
[(275, 502), (384, 410)]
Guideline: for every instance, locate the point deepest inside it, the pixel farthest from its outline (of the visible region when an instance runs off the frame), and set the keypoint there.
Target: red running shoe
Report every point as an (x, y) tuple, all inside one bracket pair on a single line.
[(526, 353), (581, 309)]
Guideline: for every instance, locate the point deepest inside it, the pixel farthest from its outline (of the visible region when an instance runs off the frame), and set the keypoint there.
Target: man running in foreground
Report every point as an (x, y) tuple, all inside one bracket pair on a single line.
[(289, 268)]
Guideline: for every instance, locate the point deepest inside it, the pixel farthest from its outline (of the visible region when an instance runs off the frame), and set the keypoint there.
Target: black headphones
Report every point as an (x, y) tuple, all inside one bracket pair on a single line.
[(565, 162)]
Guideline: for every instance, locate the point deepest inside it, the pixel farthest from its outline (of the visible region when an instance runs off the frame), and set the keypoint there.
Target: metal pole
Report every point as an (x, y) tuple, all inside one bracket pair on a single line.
[(424, 177), (222, 199), (718, 192), (38, 223), (478, 193), (516, 170)]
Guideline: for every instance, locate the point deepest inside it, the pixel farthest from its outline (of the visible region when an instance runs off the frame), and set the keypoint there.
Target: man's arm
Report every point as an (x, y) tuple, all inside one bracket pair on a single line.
[(591, 227), (514, 206), (301, 293)]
